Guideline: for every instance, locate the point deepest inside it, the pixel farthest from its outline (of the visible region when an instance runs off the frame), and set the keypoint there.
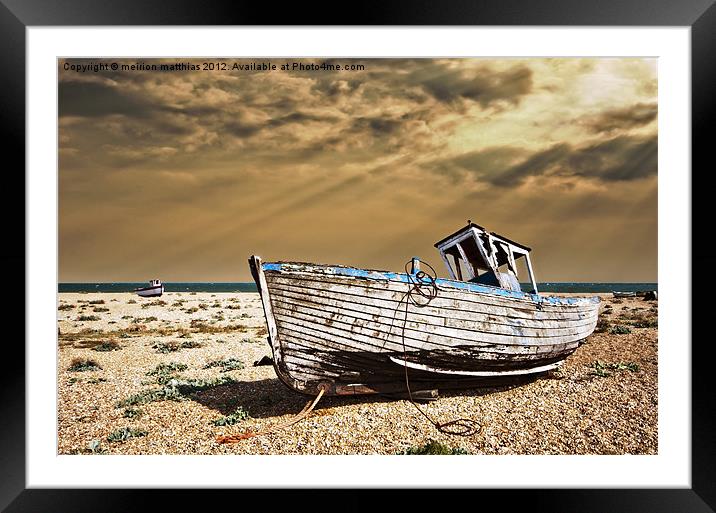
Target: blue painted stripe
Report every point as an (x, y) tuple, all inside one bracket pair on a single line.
[(443, 283)]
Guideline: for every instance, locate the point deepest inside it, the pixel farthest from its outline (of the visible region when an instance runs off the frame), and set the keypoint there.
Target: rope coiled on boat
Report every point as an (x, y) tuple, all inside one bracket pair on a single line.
[(422, 289)]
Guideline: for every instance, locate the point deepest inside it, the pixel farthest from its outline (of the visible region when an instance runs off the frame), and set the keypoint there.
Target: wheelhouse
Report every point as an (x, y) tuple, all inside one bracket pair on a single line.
[(479, 256)]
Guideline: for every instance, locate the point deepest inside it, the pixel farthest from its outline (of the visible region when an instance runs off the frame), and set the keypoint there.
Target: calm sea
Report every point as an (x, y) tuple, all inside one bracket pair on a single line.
[(251, 287)]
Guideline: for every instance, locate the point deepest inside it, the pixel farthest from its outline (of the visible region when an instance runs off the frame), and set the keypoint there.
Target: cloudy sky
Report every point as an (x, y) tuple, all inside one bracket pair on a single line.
[(183, 175)]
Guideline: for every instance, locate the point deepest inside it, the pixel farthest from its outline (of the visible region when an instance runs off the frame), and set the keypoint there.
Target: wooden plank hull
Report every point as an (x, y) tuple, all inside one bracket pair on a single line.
[(355, 331)]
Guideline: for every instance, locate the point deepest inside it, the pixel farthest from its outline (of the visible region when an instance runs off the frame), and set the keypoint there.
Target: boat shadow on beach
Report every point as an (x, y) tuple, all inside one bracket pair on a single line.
[(270, 398)]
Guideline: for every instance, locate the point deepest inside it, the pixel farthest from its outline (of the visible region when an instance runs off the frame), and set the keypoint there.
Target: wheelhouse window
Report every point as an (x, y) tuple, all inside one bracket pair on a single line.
[(476, 255)]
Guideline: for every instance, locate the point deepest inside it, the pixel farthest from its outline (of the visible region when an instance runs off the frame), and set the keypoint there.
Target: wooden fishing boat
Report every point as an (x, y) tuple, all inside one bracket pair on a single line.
[(155, 289), (346, 330)]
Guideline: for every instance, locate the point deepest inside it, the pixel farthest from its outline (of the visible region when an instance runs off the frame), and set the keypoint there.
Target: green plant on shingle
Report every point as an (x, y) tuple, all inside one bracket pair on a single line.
[(65, 306), (619, 329), (167, 347), (190, 344), (94, 447), (174, 390), (109, 345), (125, 433), (88, 318), (226, 365), (239, 415), (132, 413), (97, 302), (83, 365), (433, 447), (647, 323), (601, 369), (164, 372)]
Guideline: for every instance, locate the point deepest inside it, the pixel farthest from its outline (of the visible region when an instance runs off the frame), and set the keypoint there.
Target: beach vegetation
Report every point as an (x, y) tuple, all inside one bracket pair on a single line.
[(619, 329), (88, 318), (94, 447), (94, 381), (132, 413), (65, 306), (125, 433), (602, 369), (200, 326), (228, 364), (191, 310), (96, 302), (433, 447), (234, 418), (167, 347), (174, 390), (191, 344), (165, 372), (83, 365), (106, 346), (646, 323), (100, 309), (132, 302)]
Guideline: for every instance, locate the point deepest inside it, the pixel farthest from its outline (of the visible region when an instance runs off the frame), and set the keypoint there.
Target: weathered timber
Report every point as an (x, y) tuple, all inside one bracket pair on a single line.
[(347, 330)]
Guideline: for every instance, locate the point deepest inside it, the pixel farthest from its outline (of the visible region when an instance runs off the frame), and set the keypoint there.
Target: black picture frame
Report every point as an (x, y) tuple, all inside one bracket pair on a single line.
[(17, 15)]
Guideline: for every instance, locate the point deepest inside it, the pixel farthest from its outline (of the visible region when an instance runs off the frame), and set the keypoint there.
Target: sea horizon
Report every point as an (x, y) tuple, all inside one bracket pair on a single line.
[(118, 287)]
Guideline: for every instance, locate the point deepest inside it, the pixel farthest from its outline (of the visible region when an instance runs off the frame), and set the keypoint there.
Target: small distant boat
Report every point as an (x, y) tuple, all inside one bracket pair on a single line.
[(646, 294), (350, 331), (155, 289), (617, 294)]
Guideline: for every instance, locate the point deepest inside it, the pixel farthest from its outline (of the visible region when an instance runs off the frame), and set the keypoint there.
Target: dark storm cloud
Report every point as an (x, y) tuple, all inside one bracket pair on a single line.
[(478, 163), (299, 118), (537, 164), (484, 86), (242, 130), (622, 158), (632, 116), (377, 126), (332, 88), (94, 99)]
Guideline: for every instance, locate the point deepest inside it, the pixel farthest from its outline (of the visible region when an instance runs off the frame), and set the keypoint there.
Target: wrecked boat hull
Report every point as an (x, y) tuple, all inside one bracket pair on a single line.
[(346, 330)]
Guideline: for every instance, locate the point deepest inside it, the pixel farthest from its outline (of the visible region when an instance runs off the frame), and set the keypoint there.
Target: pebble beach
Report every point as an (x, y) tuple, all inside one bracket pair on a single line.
[(170, 375)]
